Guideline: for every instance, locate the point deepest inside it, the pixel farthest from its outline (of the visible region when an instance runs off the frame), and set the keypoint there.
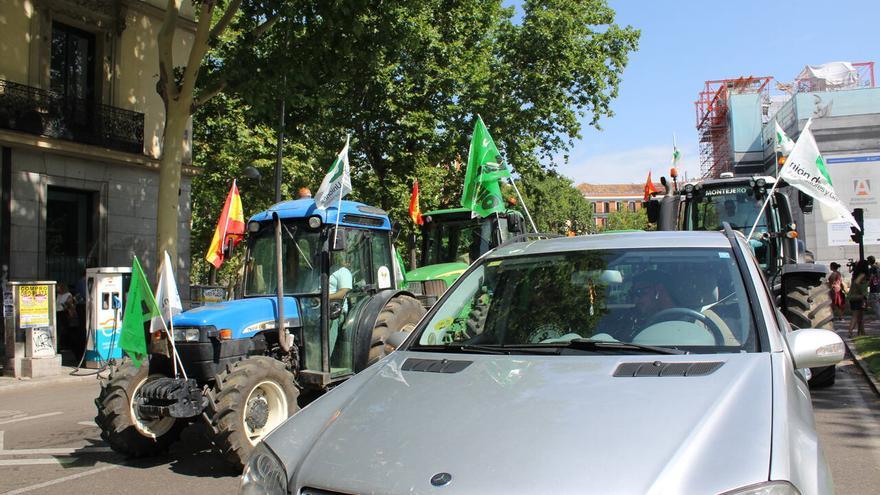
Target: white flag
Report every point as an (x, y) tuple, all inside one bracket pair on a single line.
[(784, 144), (337, 182), (166, 296), (806, 171)]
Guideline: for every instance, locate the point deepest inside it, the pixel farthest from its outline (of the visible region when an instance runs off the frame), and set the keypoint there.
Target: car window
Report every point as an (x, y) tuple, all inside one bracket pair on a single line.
[(692, 299)]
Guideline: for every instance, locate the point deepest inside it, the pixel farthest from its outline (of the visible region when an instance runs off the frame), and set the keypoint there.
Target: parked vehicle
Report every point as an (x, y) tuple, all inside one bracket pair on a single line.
[(319, 300), (653, 362)]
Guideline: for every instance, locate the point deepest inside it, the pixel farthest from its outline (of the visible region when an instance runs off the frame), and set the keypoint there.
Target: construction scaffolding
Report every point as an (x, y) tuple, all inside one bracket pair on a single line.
[(713, 122)]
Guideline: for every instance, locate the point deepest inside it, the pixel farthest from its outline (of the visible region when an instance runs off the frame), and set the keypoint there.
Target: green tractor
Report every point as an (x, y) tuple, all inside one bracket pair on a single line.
[(797, 282), (451, 240)]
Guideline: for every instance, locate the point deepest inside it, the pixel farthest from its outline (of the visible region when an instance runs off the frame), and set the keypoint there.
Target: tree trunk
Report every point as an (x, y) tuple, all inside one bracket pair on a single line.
[(169, 180)]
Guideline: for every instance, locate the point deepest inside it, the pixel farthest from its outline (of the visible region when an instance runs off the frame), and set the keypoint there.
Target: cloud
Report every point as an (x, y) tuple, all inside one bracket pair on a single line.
[(630, 166)]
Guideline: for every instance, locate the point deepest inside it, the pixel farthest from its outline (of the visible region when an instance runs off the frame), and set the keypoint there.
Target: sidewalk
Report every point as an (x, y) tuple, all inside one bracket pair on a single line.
[(8, 383), (872, 329)]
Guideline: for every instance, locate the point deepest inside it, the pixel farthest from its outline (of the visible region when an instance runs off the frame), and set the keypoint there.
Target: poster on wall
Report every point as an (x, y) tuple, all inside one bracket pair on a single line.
[(856, 180), (33, 306)]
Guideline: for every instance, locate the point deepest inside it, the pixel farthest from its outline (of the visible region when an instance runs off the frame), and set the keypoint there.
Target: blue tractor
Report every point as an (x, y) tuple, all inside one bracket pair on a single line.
[(317, 302)]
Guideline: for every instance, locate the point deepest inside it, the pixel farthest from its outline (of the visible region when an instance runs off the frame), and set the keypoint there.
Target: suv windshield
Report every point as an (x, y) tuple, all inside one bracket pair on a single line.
[(300, 255), (689, 299)]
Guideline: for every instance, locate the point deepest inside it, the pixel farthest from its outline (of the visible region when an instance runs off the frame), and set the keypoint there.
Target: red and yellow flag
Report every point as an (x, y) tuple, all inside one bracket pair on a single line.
[(649, 187), (415, 211), (230, 227)]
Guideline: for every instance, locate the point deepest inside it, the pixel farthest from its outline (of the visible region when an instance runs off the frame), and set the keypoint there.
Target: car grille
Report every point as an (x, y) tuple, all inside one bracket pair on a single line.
[(658, 368)]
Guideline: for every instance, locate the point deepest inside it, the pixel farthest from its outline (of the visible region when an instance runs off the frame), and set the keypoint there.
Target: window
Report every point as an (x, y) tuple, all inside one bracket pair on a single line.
[(72, 69), (692, 298)]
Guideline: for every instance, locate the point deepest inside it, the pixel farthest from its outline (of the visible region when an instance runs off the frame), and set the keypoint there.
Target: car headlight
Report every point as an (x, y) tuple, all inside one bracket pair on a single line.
[(768, 488), (186, 334), (263, 474)]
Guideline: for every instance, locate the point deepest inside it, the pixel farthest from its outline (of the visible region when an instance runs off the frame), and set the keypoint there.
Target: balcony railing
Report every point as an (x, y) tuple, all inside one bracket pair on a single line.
[(47, 113)]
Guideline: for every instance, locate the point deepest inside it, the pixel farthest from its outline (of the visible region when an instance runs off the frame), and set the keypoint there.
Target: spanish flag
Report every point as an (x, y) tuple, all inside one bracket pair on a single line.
[(230, 227), (415, 211), (649, 187)]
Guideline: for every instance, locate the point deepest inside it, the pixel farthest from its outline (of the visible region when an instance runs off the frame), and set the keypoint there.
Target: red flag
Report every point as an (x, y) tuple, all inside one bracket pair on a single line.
[(415, 212), (649, 187), (230, 226)]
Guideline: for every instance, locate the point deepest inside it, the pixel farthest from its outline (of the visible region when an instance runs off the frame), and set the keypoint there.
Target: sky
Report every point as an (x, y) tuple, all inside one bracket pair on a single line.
[(685, 43)]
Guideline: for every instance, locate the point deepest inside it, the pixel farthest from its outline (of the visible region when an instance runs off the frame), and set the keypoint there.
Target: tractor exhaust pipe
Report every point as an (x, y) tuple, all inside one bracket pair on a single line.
[(279, 272)]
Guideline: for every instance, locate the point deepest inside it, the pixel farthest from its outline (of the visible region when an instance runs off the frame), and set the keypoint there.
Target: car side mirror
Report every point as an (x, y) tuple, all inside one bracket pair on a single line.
[(515, 223), (652, 209), (395, 340), (815, 347)]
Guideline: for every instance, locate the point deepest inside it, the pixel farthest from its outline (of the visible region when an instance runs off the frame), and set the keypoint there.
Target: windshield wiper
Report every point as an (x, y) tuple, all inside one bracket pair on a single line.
[(488, 349), (590, 344)]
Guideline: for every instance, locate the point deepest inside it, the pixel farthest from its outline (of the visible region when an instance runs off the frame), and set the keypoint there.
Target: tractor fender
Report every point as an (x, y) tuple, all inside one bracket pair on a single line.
[(367, 321), (811, 271)]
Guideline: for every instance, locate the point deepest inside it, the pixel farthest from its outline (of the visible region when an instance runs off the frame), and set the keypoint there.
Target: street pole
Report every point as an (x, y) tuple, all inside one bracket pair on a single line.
[(278, 152)]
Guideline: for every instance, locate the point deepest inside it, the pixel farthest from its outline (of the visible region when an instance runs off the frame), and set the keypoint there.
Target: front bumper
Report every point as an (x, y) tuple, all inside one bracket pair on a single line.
[(174, 397)]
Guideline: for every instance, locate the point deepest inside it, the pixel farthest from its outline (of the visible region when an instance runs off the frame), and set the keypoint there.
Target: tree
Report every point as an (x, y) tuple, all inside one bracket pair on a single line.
[(555, 204), (627, 220), (177, 87), (406, 79)]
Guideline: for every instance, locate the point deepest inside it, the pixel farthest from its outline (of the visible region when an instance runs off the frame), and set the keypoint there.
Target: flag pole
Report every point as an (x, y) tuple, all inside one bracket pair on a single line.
[(763, 207), (518, 195)]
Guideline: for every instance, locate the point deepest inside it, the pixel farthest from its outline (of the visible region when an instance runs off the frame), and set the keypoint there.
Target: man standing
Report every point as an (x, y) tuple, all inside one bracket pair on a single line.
[(874, 286), (340, 282)]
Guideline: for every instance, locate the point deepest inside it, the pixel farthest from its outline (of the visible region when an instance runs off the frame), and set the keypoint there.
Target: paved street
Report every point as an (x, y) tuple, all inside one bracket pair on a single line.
[(49, 445)]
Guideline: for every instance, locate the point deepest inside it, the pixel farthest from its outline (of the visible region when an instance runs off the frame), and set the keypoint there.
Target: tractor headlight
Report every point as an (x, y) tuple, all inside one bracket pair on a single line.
[(186, 334), (760, 182), (253, 227), (263, 473), (314, 221)]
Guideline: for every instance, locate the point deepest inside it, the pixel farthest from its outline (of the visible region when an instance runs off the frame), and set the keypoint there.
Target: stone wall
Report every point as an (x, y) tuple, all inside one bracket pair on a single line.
[(127, 212)]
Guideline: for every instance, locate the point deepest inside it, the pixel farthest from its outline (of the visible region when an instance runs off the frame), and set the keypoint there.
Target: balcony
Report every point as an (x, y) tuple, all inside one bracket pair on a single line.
[(46, 113)]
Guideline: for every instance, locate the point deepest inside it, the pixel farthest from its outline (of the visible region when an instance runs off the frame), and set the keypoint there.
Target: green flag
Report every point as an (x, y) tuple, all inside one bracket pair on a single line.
[(482, 194), (140, 307)]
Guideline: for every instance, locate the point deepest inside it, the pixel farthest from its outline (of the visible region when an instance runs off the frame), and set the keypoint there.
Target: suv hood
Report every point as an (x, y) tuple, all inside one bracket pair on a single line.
[(539, 424)]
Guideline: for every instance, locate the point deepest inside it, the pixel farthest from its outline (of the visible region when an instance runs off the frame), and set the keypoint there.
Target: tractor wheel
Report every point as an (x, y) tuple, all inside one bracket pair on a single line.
[(400, 315), (808, 305), (249, 399), (121, 426)]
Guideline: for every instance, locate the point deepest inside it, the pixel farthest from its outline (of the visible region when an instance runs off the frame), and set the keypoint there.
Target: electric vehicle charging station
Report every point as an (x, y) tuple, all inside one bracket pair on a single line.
[(105, 298)]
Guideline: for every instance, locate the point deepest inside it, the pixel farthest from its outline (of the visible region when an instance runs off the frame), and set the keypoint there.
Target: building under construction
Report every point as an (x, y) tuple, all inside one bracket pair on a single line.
[(736, 126), (732, 114)]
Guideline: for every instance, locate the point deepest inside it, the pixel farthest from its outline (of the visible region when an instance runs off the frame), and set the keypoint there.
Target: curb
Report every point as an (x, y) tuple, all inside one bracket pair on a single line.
[(850, 347), (9, 384)]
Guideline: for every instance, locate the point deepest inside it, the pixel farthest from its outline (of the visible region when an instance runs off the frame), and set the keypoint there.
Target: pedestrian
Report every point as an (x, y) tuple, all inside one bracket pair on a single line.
[(838, 291), (65, 312), (858, 297), (874, 286)]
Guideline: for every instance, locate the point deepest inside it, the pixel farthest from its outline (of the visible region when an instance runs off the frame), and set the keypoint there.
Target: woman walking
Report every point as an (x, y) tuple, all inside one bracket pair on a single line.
[(835, 285), (858, 296)]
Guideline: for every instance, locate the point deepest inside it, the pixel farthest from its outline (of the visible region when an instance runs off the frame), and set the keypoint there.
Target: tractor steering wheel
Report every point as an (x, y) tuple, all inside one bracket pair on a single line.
[(670, 314)]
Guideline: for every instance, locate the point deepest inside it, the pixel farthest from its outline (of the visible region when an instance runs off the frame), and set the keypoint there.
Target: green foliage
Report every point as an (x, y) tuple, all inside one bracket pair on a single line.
[(555, 204), (628, 220), (406, 80)]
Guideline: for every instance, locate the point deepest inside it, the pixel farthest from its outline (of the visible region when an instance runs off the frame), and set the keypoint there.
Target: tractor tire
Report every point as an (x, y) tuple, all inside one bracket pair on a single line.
[(118, 420), (249, 399), (400, 314), (808, 305)]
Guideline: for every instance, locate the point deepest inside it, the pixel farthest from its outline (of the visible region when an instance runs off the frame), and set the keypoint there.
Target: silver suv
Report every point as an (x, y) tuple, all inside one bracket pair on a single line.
[(618, 363)]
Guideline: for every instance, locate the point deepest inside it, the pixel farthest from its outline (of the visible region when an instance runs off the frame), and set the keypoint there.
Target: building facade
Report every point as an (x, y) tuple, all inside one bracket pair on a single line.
[(80, 137), (609, 198)]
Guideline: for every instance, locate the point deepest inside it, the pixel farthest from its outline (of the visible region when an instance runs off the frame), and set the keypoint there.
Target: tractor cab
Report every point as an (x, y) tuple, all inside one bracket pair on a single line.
[(329, 273), (708, 204), (453, 239)]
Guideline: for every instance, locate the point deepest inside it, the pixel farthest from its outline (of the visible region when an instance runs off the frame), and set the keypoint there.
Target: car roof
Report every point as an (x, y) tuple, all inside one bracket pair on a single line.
[(620, 240)]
